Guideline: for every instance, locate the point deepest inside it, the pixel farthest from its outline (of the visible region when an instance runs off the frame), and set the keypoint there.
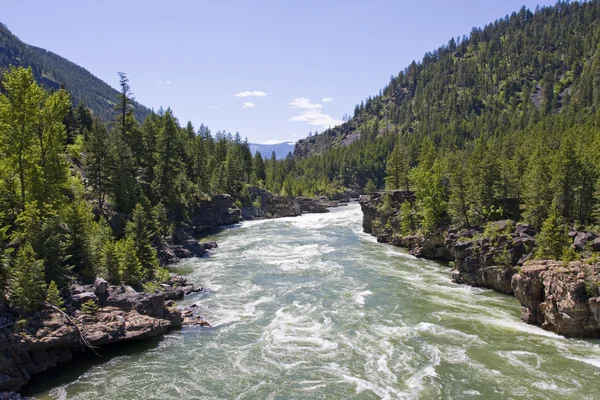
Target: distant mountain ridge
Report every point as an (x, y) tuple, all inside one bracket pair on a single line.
[(266, 149), (53, 71)]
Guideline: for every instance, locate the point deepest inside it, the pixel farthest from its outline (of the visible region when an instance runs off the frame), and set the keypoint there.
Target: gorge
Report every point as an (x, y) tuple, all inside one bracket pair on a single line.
[(313, 307)]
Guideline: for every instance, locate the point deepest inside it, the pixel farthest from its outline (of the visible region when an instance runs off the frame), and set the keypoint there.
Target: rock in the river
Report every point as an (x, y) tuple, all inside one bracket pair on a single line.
[(561, 298)]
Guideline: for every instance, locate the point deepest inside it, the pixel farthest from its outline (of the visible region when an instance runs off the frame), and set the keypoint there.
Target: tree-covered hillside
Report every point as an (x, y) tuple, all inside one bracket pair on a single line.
[(501, 78), (53, 72)]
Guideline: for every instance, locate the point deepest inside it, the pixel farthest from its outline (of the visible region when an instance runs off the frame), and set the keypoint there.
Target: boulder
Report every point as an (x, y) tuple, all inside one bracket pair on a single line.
[(77, 300), (100, 286)]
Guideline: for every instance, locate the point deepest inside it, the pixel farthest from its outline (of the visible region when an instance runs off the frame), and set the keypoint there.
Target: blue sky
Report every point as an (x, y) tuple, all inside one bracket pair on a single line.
[(272, 70)]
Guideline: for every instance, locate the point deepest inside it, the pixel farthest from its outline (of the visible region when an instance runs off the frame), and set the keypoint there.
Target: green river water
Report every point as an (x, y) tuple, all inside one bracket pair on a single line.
[(313, 308)]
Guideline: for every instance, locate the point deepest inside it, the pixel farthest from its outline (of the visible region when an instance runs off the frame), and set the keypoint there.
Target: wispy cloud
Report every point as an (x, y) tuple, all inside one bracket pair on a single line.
[(254, 93), (305, 104), (311, 113), (327, 99), (248, 105), (163, 82), (214, 107), (275, 141)]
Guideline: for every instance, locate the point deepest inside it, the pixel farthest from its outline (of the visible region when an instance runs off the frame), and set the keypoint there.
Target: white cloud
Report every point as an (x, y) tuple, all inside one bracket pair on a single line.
[(161, 82), (168, 82), (214, 107), (327, 99), (247, 93), (275, 141), (248, 105), (312, 113), (304, 103)]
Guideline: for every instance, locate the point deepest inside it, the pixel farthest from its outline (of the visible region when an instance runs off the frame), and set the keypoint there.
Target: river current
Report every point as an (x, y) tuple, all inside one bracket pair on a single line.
[(313, 308)]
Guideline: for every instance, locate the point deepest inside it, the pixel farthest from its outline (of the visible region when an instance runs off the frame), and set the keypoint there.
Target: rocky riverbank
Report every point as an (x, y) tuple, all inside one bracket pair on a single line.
[(560, 297), (52, 336)]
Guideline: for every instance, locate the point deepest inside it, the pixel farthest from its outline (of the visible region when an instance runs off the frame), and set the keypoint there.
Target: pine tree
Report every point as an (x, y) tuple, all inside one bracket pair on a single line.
[(139, 231), (98, 160), (27, 287), (53, 296), (397, 169), (553, 237), (129, 265)]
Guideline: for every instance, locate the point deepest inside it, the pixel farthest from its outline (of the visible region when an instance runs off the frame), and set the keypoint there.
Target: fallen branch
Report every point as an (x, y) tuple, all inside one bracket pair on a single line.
[(82, 337)]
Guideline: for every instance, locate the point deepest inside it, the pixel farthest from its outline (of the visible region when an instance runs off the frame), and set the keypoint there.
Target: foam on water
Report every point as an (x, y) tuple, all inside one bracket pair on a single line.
[(312, 307)]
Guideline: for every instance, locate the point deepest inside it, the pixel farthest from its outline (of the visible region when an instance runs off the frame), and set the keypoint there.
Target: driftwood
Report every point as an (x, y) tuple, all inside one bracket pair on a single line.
[(82, 337)]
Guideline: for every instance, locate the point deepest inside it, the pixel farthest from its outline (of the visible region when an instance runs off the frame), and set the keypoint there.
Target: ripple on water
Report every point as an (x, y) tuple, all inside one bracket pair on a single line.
[(312, 307)]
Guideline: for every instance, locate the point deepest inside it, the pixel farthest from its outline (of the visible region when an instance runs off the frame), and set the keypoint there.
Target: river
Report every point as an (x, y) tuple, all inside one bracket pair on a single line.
[(313, 308)]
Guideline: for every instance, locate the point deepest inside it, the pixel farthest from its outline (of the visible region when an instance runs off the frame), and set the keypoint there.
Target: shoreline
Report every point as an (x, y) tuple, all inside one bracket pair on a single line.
[(561, 297)]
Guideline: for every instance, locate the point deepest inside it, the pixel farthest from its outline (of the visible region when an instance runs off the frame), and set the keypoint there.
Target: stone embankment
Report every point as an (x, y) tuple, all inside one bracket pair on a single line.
[(560, 297)]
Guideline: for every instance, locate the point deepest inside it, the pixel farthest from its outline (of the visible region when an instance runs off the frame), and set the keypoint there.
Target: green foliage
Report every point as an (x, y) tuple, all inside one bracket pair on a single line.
[(130, 267), (53, 296), (397, 169), (430, 193), (370, 187), (90, 307), (139, 232), (152, 287), (569, 254), (407, 222), (162, 275), (553, 238), (27, 289)]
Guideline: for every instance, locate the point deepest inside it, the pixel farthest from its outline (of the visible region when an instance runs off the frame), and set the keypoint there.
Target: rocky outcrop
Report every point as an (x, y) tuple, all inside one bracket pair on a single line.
[(488, 261), (381, 218), (218, 211), (184, 248), (266, 205), (562, 298), (51, 337)]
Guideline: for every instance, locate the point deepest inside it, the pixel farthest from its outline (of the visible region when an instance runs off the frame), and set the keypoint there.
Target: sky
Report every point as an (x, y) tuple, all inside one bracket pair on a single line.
[(270, 70)]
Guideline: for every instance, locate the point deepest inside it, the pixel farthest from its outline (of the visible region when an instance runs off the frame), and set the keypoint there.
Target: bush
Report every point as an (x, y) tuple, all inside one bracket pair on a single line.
[(152, 287), (53, 296), (89, 307)]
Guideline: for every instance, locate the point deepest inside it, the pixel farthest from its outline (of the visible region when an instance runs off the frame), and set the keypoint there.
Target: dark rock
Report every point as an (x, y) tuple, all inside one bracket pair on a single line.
[(77, 300), (581, 239), (100, 286)]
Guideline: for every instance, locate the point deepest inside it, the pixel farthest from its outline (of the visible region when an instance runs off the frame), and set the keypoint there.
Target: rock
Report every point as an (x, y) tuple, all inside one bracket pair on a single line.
[(312, 205), (555, 296), (124, 315), (581, 239), (100, 286), (77, 300), (218, 211)]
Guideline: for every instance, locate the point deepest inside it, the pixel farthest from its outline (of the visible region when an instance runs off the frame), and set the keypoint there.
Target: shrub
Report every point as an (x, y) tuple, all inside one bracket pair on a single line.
[(89, 307)]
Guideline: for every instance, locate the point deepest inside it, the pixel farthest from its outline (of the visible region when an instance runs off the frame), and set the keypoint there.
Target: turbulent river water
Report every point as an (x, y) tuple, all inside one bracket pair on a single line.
[(313, 308)]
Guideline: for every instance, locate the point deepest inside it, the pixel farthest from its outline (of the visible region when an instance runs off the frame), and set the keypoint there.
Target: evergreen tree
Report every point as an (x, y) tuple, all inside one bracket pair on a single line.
[(27, 287), (129, 264), (53, 296), (553, 238), (139, 232)]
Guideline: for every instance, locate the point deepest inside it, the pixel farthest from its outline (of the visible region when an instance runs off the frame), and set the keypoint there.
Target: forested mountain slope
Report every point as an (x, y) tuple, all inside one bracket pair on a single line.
[(500, 81), (53, 71)]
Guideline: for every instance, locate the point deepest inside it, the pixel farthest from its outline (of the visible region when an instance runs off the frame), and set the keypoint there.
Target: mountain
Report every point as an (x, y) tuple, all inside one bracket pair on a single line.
[(281, 149), (53, 71), (495, 80)]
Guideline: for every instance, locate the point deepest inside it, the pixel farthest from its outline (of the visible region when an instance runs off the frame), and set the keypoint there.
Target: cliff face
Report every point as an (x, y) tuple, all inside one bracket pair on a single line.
[(562, 299)]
